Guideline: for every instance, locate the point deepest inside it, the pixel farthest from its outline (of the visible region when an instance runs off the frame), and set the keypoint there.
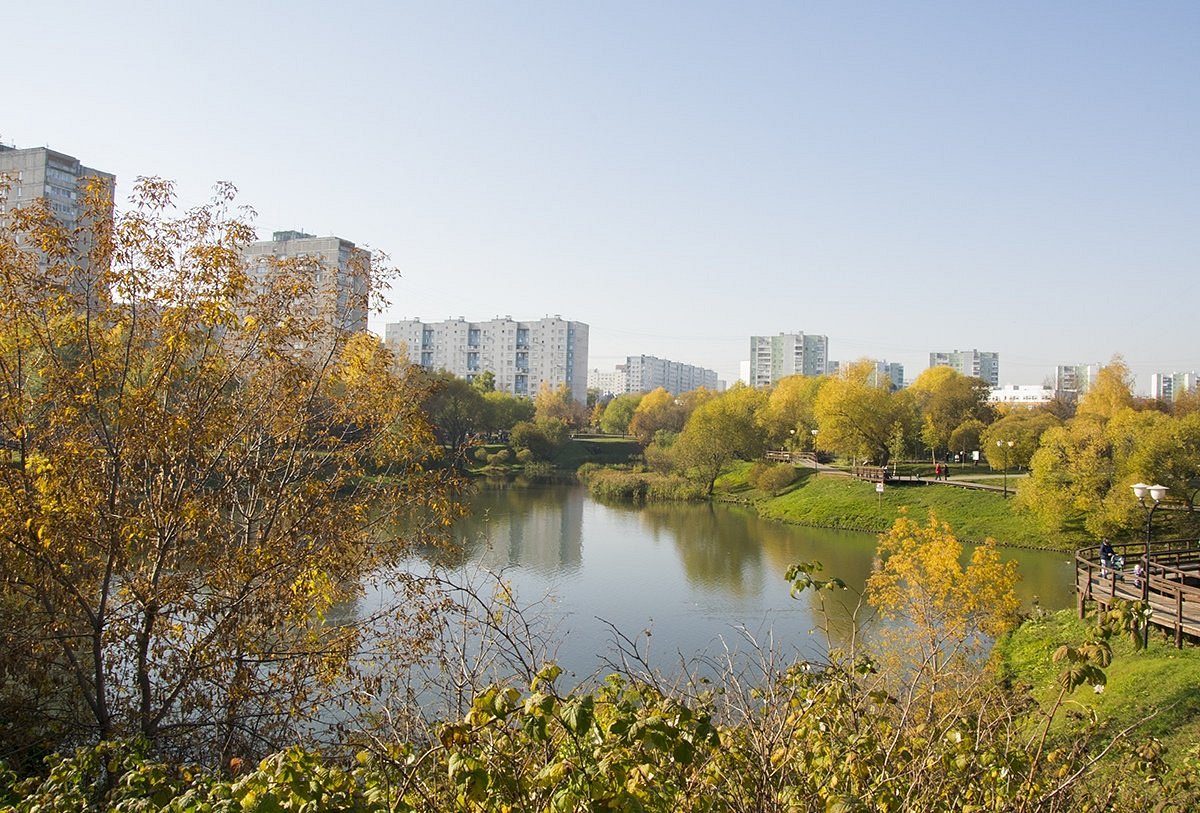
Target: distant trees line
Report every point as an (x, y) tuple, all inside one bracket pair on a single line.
[(1081, 457)]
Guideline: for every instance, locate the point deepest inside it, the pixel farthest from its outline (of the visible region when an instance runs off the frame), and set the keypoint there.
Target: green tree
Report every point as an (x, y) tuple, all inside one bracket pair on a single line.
[(485, 382), (619, 413), (456, 410), (542, 437), (503, 411), (187, 492), (721, 430)]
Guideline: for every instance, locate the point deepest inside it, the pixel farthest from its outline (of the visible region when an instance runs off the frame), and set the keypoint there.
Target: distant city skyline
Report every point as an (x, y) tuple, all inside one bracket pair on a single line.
[(901, 178)]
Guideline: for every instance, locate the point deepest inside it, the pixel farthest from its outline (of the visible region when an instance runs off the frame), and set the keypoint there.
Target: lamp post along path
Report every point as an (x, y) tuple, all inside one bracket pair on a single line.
[(1156, 493)]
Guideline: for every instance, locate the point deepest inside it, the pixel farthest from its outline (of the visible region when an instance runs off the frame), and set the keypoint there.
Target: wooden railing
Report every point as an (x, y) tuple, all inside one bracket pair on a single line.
[(1172, 581)]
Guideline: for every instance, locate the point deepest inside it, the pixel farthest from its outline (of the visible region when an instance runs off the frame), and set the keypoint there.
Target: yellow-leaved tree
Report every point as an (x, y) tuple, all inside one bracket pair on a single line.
[(944, 614), (200, 465)]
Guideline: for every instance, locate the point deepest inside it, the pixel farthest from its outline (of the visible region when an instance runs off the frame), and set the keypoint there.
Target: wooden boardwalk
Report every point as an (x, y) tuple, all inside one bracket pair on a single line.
[(1173, 586)]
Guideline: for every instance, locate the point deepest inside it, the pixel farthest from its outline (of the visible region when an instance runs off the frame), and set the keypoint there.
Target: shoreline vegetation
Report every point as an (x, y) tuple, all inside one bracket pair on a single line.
[(823, 499)]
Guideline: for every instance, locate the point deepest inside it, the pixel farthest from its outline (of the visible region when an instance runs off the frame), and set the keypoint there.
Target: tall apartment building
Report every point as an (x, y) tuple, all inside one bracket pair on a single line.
[(776, 357), (970, 362), (42, 173), (1073, 380), (342, 272), (1170, 386), (522, 356), (892, 372), (608, 382), (58, 179)]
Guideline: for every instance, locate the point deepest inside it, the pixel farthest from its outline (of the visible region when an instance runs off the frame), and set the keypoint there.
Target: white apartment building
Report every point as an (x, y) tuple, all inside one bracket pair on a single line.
[(1073, 380), (646, 373), (522, 356), (1170, 386), (342, 273), (607, 382), (970, 362), (775, 357)]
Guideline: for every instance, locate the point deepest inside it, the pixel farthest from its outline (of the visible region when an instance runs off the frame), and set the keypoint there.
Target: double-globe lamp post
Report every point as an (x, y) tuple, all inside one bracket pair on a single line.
[(1155, 493)]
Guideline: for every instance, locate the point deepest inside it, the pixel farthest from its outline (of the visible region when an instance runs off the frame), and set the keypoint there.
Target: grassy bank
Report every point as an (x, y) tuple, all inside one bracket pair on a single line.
[(1153, 691), (831, 501)]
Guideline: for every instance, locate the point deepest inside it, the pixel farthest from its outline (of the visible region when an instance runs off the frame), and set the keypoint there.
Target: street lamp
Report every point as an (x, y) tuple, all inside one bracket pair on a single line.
[(1156, 493), (1006, 445)]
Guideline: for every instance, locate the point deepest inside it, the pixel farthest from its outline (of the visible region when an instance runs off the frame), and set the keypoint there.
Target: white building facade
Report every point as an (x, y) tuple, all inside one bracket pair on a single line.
[(522, 356), (1022, 395), (970, 362), (1170, 386), (1073, 380), (775, 357)]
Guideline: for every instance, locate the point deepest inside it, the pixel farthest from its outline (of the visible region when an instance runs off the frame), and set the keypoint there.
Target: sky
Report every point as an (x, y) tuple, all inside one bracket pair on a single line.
[(902, 177)]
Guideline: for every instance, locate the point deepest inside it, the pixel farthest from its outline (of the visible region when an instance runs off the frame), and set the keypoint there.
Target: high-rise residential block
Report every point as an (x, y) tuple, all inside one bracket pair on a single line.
[(970, 362), (646, 373), (342, 273), (40, 173), (1171, 386), (522, 356), (1073, 380), (776, 357)]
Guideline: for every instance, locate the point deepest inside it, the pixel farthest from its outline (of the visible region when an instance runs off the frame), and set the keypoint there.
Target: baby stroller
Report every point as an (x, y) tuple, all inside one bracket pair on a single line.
[(1115, 563)]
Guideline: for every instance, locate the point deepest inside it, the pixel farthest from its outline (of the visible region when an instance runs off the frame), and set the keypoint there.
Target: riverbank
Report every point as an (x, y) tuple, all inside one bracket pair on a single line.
[(833, 501)]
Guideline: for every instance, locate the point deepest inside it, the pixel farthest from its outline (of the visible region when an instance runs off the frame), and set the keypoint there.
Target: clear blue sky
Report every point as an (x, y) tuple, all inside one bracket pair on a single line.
[(1022, 177)]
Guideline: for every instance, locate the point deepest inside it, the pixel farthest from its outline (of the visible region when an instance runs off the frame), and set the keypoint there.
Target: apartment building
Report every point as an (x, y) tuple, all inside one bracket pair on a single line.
[(40, 173), (1170, 386), (1073, 380), (522, 356), (970, 362), (342, 273), (775, 357)]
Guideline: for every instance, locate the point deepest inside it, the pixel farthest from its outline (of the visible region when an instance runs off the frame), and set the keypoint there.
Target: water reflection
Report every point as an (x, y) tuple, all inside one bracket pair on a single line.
[(692, 574)]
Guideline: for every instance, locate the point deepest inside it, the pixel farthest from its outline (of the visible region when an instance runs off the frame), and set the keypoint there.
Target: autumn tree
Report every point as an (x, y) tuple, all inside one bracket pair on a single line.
[(201, 465), (1024, 429), (789, 415), (721, 430), (557, 402), (946, 399), (857, 413), (657, 410), (944, 615)]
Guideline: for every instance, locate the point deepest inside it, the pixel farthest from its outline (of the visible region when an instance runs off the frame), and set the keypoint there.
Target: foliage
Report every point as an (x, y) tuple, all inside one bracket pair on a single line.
[(619, 412), (655, 411), (618, 485), (558, 404), (788, 416), (772, 478), (200, 464), (503, 411), (946, 400), (857, 414), (541, 437), (721, 430), (456, 410), (1024, 429)]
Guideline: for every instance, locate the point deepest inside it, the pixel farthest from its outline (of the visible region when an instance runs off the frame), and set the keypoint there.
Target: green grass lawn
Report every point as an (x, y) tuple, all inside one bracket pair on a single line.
[(1157, 690), (840, 502)]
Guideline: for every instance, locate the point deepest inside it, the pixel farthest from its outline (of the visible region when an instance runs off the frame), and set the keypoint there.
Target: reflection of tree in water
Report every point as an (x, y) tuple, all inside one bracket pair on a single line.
[(519, 523), (715, 545)]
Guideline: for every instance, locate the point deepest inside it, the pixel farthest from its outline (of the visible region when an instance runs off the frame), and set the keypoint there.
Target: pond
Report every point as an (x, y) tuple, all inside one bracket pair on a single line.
[(681, 579)]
